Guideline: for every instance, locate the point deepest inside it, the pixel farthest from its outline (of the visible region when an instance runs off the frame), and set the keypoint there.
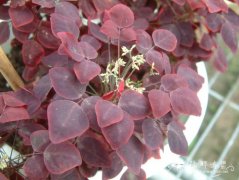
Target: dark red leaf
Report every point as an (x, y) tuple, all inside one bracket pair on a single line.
[(229, 36), (62, 157), (108, 113), (65, 83), (220, 60), (143, 41), (29, 28), (32, 52), (216, 5), (86, 50), (86, 71), (16, 3), (47, 39), (119, 133), (159, 102), (193, 79), (87, 171), (214, 22), (185, 101), (94, 152), (121, 15), (88, 9), (14, 114), (88, 106), (55, 60), (42, 87), (176, 139), (170, 82), (4, 32), (4, 12), (195, 4), (66, 119), (45, 3), (152, 134), (34, 168), (61, 23), (92, 41), (164, 39), (110, 29), (39, 140), (114, 169), (68, 10), (132, 154), (20, 16), (128, 175), (135, 104)]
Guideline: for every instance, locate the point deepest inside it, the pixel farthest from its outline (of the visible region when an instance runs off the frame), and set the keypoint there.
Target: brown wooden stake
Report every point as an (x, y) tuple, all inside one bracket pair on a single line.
[(9, 73)]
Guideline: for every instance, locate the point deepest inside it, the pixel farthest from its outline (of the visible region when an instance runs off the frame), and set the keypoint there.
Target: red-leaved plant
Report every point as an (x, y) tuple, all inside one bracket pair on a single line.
[(106, 80)]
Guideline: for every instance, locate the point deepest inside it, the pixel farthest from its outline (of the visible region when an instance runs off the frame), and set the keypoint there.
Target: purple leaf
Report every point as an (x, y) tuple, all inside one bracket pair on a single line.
[(152, 134), (232, 17), (216, 5), (220, 61), (55, 60), (20, 36), (141, 24), (72, 174), (14, 114), (114, 169), (86, 71), (2, 176), (47, 39), (39, 140), (179, 2), (214, 22), (45, 3), (206, 42), (65, 83), (66, 119), (143, 41), (159, 102), (20, 16), (88, 106), (185, 101), (108, 113), (127, 35), (32, 52), (4, 12), (193, 79), (10, 99), (121, 15), (155, 58), (176, 139), (29, 73), (5, 32), (68, 10), (132, 154), (56, 154), (170, 82), (34, 168), (42, 87), (94, 152), (229, 36), (61, 23), (128, 175), (110, 29), (86, 50), (92, 41), (119, 133), (164, 39), (135, 104), (95, 31)]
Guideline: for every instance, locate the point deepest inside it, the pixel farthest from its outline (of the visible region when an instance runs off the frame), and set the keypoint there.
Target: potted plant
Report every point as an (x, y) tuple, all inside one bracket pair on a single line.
[(105, 82)]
